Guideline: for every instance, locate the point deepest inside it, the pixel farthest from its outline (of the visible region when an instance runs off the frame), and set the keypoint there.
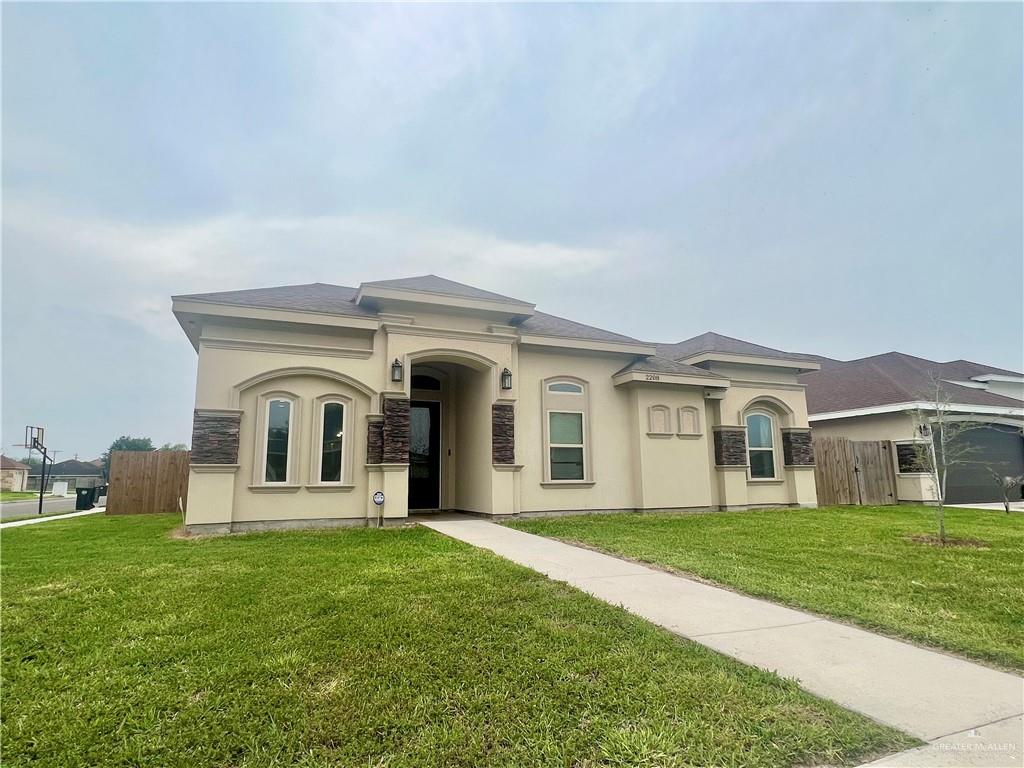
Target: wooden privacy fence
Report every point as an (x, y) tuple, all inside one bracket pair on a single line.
[(854, 471), (147, 482)]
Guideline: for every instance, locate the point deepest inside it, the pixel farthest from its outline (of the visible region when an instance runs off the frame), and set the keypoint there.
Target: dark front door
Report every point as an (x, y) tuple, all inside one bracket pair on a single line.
[(424, 455)]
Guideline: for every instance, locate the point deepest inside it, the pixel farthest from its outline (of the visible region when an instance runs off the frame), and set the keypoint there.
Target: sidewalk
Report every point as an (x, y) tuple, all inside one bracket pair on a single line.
[(972, 714), (50, 518)]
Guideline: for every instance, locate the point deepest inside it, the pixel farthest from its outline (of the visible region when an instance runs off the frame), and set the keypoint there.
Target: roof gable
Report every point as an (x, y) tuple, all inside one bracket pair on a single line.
[(8, 463), (441, 286), (711, 342)]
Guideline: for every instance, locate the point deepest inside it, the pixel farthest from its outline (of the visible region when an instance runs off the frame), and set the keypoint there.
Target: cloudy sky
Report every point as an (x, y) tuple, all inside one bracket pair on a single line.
[(838, 179)]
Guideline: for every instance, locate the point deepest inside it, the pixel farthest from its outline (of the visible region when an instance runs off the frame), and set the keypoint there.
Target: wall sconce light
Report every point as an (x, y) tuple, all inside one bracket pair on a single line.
[(506, 379), (396, 370)]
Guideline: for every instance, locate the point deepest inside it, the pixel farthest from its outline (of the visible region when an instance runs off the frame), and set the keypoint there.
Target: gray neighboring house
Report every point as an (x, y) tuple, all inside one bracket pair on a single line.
[(71, 471), (873, 398)]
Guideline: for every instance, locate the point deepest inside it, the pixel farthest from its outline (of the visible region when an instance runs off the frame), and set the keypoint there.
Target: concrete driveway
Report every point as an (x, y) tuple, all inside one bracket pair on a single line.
[(1015, 506)]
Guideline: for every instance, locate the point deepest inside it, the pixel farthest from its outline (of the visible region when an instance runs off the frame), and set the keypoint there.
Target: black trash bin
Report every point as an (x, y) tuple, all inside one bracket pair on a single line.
[(101, 491), (85, 498)]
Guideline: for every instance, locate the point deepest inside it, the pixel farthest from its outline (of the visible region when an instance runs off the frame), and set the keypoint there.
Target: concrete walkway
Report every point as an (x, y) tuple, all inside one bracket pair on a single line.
[(50, 518), (970, 714)]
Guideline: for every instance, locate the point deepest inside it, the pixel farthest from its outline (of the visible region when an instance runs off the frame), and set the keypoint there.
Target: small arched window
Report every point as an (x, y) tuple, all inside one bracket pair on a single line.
[(761, 445), (659, 420), (565, 388), (689, 421)]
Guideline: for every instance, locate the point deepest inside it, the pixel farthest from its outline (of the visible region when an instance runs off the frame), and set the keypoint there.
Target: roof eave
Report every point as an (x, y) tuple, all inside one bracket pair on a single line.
[(368, 294), (590, 345), (659, 377), (799, 366), (961, 408)]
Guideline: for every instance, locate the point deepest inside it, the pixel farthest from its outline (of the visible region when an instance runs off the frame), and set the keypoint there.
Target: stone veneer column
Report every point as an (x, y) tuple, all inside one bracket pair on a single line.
[(213, 464), (797, 447), (503, 438), (375, 438), (396, 430), (798, 458), (731, 465), (215, 437)]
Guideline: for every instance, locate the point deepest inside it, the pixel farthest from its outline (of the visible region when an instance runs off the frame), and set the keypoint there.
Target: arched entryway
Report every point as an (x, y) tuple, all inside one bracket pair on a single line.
[(450, 434)]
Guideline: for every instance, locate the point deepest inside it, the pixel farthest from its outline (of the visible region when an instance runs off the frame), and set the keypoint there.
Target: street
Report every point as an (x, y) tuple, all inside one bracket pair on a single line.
[(11, 509)]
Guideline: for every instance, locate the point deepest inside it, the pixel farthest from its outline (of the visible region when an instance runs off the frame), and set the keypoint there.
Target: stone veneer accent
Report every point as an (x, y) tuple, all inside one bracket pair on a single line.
[(375, 440), (396, 430), (730, 446), (215, 438), (797, 448), (503, 435)]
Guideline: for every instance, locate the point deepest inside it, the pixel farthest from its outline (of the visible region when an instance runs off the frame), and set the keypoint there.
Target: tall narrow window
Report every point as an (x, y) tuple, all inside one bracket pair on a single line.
[(279, 421), (332, 435), (761, 446), (565, 440)]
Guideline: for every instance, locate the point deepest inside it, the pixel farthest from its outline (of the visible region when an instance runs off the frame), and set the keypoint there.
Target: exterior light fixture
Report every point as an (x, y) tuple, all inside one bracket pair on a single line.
[(506, 379), (396, 370)]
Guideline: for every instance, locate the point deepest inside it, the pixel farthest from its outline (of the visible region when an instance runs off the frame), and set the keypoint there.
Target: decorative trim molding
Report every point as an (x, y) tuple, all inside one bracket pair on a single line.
[(386, 467), (214, 469), (507, 467), (402, 329), (302, 370), (275, 488), (219, 411), (567, 483), (286, 348)]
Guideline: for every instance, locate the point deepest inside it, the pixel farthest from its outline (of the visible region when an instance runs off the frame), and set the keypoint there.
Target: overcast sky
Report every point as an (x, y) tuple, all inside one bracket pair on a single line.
[(837, 179)]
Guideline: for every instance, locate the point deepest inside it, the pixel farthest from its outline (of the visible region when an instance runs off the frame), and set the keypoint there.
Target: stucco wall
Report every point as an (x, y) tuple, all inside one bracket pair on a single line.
[(628, 468), (882, 426)]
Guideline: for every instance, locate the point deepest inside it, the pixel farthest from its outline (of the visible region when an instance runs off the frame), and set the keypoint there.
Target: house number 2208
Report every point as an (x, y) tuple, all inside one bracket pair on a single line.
[(652, 377)]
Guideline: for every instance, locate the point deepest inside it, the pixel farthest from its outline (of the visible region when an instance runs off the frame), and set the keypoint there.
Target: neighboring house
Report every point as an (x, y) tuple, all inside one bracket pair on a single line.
[(13, 474), (874, 398), (311, 398), (71, 471)]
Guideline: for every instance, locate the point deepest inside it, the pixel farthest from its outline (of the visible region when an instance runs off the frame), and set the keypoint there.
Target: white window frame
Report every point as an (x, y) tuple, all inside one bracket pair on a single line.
[(582, 446), (317, 454), (579, 388), (293, 412), (772, 430)]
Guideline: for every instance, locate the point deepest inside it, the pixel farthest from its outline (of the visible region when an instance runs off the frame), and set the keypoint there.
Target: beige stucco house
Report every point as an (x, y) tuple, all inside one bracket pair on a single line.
[(428, 394)]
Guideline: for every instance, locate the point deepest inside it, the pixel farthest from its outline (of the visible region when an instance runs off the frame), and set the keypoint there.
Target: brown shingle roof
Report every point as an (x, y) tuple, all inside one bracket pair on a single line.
[(7, 463), (70, 467), (656, 364), (311, 297), (443, 286), (716, 342), (339, 299), (893, 378), (543, 324)]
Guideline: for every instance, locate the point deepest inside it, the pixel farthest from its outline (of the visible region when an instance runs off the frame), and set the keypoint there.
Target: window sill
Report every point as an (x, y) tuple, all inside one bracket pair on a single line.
[(567, 484), (327, 488), (765, 481), (659, 434), (278, 488), (688, 435)]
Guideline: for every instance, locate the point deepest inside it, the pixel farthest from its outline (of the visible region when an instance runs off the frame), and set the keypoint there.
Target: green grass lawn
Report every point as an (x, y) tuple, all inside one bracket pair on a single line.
[(854, 563), (123, 646), (17, 495)]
